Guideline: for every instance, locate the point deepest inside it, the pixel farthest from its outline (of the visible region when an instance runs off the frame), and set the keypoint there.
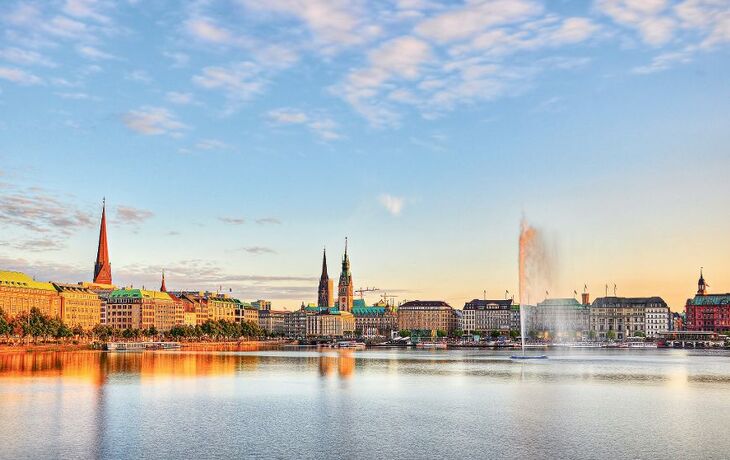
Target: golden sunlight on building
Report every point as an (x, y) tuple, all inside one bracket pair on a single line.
[(79, 306), (19, 293)]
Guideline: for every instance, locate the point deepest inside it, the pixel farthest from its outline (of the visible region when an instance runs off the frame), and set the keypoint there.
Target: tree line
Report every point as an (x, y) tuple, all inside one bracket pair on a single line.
[(36, 325)]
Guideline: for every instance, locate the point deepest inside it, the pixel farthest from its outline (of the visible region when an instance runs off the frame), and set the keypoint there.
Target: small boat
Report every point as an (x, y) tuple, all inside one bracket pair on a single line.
[(528, 357), (141, 346), (351, 344)]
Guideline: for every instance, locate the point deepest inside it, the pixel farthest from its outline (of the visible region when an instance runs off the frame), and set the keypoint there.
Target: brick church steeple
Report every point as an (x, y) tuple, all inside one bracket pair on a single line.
[(345, 295), (102, 267), (324, 293)]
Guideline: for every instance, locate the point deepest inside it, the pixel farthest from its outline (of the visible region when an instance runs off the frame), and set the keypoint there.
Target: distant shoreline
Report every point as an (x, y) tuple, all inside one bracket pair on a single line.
[(232, 345)]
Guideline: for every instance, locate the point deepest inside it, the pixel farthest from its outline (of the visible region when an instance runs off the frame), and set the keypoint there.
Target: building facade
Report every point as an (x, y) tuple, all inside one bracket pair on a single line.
[(484, 316), (295, 323), (427, 316), (374, 321), (330, 322), (559, 319), (707, 312), (143, 309), (79, 305), (620, 318), (19, 293), (273, 321)]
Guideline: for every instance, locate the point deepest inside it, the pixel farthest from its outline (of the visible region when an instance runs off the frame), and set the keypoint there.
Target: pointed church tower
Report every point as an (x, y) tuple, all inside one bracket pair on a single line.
[(345, 295), (701, 284), (324, 293), (163, 288), (102, 267)]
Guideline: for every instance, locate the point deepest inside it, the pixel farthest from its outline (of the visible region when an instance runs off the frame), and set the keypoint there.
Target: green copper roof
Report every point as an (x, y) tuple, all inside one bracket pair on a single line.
[(712, 299), (138, 294), (21, 280), (368, 311)]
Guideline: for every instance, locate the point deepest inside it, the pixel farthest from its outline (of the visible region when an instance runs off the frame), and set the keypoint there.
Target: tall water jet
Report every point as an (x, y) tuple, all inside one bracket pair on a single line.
[(535, 266)]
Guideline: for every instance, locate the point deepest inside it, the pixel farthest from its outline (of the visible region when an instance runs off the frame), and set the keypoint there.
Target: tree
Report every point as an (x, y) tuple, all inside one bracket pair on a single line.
[(495, 334), (639, 334), (611, 334), (458, 333), (63, 331), (440, 333), (5, 327), (592, 335), (513, 334)]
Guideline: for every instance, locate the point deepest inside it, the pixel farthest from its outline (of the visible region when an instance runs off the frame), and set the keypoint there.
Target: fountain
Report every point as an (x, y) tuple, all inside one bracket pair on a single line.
[(534, 270)]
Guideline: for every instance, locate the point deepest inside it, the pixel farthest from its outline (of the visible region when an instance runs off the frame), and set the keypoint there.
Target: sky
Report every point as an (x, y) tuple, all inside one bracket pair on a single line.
[(234, 139)]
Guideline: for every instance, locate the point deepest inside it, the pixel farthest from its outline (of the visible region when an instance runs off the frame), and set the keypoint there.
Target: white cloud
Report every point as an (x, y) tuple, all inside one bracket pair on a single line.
[(153, 121), (19, 76), (239, 82), (178, 59), (25, 57), (93, 53), (85, 9), (207, 30), (392, 204), (324, 127), (475, 17), (334, 24)]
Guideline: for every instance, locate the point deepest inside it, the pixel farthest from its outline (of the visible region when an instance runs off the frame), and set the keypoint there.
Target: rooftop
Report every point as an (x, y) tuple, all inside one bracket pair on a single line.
[(21, 280)]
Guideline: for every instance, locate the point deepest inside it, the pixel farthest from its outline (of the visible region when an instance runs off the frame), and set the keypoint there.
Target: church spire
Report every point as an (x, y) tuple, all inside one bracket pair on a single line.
[(345, 293), (163, 288), (324, 293), (701, 284), (102, 267)]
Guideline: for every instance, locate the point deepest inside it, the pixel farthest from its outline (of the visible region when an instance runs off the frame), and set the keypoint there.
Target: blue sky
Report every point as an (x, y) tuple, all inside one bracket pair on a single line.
[(234, 139)]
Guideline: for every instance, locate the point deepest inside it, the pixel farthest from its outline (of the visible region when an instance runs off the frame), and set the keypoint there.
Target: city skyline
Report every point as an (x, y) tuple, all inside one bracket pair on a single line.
[(234, 139)]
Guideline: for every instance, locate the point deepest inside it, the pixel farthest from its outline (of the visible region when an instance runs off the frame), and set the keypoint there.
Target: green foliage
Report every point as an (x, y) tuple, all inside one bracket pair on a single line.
[(5, 326), (639, 334), (458, 333), (611, 334), (404, 333), (513, 334), (495, 334), (440, 333), (592, 335)]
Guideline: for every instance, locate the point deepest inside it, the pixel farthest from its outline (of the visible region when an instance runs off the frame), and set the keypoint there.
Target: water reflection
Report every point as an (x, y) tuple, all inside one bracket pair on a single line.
[(334, 404)]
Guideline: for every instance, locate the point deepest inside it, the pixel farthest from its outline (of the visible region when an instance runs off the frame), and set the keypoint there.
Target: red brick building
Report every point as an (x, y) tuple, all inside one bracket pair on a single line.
[(708, 312)]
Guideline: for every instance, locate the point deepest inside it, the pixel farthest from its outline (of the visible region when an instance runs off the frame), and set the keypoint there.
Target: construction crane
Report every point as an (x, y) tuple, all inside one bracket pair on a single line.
[(362, 291), (385, 297)]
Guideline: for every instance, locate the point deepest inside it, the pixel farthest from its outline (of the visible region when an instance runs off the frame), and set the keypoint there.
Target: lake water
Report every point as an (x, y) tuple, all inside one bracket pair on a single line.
[(390, 403)]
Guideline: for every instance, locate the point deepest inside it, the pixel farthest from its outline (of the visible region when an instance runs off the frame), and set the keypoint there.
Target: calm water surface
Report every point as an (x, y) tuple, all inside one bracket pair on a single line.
[(366, 404)]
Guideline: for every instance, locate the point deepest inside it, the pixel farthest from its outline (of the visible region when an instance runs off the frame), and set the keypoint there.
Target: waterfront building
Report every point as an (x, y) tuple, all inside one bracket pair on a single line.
[(19, 293), (427, 316), (199, 302), (190, 318), (559, 319), (374, 321), (79, 305), (483, 316), (625, 317), (261, 305), (222, 306), (707, 312), (295, 323), (324, 292), (103, 267), (142, 309), (345, 291), (246, 312), (330, 322), (676, 322), (273, 321)]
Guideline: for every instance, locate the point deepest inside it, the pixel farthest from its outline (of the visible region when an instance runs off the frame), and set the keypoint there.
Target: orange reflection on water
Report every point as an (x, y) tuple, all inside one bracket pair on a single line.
[(343, 362)]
